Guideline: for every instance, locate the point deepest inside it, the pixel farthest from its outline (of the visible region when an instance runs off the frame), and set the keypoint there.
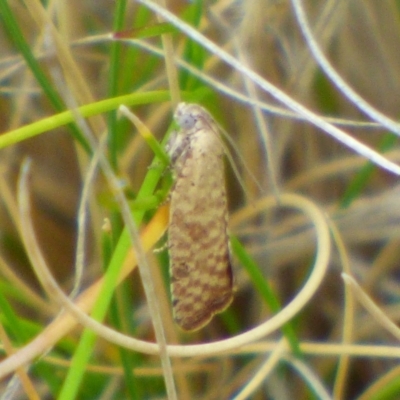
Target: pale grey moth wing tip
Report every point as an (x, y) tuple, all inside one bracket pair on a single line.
[(193, 311), (196, 321)]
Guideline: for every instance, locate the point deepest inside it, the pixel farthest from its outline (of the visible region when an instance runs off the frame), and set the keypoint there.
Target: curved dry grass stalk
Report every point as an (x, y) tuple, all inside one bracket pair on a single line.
[(335, 77), (260, 67), (262, 373), (64, 322), (372, 308), (338, 134), (311, 378)]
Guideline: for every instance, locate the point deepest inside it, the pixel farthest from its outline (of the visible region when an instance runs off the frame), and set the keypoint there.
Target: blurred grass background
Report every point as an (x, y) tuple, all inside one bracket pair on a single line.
[(46, 69)]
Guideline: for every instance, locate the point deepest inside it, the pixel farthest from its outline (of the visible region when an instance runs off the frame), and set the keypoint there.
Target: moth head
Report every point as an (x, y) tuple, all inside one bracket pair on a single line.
[(186, 115)]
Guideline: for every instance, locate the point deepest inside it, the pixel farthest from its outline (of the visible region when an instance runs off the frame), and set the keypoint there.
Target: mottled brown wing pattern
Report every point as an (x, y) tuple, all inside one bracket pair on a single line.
[(201, 274)]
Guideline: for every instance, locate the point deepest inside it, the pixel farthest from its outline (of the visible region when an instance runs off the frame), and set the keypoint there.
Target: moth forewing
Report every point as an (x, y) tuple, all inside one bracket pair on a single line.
[(200, 268)]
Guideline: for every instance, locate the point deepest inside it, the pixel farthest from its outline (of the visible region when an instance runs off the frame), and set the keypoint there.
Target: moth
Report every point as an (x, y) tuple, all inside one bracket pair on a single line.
[(200, 265)]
